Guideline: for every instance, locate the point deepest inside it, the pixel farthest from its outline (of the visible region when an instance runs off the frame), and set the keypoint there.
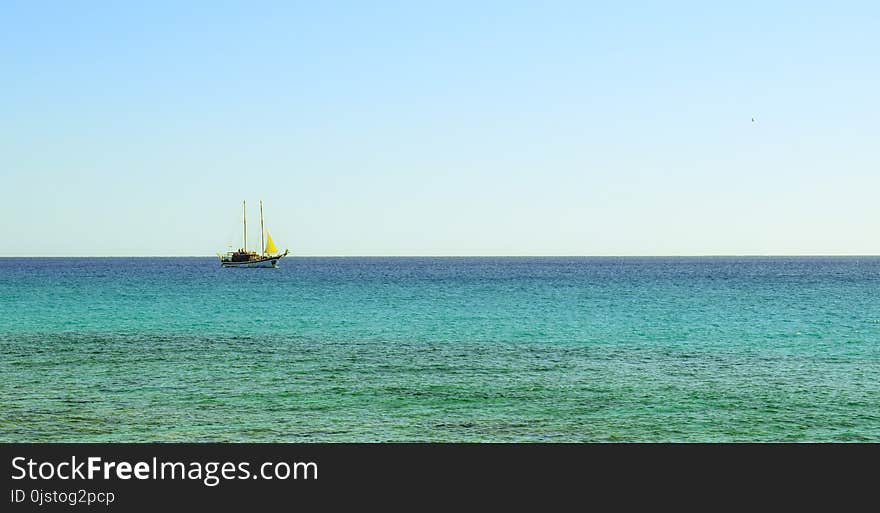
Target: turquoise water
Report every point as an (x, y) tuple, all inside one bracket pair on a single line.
[(441, 349)]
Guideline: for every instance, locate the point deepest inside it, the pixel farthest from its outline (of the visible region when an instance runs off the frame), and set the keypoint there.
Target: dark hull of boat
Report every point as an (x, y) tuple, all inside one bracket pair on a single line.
[(264, 262)]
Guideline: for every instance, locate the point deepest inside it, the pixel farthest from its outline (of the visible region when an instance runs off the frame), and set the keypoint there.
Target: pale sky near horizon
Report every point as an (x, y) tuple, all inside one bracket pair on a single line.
[(440, 128)]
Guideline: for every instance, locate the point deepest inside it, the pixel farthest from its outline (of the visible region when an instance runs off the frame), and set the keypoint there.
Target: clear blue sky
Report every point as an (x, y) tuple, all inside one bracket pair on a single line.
[(441, 128)]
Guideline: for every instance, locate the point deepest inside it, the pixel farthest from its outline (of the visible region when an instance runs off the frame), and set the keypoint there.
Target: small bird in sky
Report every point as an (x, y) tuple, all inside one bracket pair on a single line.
[(753, 120)]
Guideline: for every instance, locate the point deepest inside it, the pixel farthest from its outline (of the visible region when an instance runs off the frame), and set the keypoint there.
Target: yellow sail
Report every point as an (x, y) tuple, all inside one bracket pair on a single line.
[(270, 246)]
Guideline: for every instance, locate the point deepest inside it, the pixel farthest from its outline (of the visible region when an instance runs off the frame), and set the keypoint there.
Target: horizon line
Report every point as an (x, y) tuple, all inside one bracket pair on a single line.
[(680, 255)]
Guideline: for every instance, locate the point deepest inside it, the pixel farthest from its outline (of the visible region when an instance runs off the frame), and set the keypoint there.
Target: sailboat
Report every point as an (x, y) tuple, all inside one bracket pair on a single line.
[(267, 257)]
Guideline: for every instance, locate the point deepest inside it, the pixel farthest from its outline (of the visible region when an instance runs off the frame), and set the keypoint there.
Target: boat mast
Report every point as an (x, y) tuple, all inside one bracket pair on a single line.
[(262, 230), (244, 217)]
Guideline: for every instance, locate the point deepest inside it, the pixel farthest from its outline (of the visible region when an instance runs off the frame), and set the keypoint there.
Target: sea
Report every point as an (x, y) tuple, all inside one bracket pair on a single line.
[(521, 349)]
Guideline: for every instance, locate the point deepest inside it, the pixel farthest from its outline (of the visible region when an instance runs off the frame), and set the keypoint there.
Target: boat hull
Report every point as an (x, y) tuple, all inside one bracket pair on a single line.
[(269, 262)]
